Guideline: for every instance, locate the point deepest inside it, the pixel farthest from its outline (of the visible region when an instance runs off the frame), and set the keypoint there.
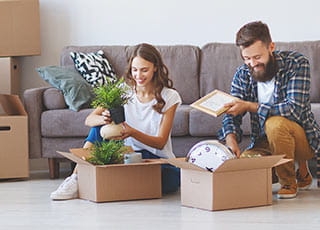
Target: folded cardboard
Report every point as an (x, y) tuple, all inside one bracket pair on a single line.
[(9, 75), (237, 183), (115, 182), (19, 27), (14, 160)]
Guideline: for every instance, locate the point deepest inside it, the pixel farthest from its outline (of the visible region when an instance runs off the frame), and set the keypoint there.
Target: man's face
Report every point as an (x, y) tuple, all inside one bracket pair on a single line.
[(258, 57)]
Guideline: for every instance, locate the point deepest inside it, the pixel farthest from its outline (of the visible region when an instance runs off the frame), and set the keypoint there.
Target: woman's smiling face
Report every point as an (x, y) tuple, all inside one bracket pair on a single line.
[(142, 71)]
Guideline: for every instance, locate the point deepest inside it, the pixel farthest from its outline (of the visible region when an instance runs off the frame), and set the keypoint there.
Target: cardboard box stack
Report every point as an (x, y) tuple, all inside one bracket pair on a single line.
[(20, 36)]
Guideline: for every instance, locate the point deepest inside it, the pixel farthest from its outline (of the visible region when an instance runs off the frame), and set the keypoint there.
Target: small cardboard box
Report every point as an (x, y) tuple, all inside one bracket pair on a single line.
[(14, 160), (237, 183), (115, 182), (19, 27)]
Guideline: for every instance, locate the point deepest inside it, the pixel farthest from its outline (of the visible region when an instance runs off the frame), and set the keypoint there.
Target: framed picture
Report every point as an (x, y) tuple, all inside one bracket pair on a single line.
[(213, 103)]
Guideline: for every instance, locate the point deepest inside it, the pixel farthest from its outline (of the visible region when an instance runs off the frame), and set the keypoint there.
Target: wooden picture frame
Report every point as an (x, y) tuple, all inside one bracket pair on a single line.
[(213, 103)]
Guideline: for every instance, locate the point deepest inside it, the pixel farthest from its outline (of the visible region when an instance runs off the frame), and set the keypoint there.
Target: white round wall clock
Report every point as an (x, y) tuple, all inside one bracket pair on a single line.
[(209, 154)]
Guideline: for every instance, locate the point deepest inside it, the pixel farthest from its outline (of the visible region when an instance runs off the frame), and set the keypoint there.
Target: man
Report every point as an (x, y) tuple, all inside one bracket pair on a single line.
[(273, 86)]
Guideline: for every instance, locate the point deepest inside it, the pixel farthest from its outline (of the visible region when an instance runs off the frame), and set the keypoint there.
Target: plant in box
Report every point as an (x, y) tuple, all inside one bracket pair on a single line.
[(112, 96), (107, 152)]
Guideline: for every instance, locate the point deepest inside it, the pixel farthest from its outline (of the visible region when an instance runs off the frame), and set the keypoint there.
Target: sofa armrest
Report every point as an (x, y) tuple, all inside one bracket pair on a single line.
[(33, 101)]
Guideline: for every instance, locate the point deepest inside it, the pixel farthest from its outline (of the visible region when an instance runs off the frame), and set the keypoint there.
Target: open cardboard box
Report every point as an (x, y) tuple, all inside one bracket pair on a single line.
[(237, 183), (14, 158), (115, 182)]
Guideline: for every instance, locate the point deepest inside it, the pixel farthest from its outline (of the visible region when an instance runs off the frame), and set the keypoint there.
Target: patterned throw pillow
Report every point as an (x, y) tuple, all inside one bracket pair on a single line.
[(94, 67)]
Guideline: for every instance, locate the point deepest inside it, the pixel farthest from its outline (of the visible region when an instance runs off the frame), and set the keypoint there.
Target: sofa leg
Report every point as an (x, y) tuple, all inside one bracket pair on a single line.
[(53, 168)]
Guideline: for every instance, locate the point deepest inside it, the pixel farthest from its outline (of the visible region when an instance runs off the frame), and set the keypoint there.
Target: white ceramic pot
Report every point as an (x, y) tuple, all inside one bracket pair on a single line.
[(111, 131)]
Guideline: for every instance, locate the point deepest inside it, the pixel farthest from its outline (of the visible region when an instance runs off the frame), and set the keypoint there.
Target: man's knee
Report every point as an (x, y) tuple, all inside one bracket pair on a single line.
[(277, 123)]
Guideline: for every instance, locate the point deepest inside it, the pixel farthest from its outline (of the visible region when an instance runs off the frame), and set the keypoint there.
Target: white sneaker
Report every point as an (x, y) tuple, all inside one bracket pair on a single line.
[(67, 190)]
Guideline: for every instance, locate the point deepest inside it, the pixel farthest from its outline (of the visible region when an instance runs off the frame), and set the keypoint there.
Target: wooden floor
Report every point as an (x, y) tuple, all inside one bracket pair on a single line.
[(26, 205)]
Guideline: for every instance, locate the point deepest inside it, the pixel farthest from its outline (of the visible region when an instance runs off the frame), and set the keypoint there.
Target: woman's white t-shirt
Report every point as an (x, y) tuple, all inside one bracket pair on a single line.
[(144, 118)]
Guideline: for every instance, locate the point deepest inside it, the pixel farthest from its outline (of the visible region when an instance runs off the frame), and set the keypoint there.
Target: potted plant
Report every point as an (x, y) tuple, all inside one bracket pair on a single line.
[(112, 96), (107, 152)]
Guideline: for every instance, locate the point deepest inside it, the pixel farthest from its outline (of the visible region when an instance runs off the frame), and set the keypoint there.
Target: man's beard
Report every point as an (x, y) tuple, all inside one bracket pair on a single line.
[(268, 73)]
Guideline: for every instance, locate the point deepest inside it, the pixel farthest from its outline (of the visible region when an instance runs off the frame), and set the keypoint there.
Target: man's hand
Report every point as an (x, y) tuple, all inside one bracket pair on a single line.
[(231, 142), (237, 107)]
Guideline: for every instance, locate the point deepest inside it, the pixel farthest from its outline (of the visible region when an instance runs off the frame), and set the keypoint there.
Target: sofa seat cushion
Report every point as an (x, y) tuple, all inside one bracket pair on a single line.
[(181, 121), (202, 124), (67, 123), (64, 123)]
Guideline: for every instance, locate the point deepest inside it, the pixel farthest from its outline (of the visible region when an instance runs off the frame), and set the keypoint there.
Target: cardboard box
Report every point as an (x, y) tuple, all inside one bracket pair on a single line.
[(19, 27), (9, 76), (237, 183), (14, 160), (115, 182)]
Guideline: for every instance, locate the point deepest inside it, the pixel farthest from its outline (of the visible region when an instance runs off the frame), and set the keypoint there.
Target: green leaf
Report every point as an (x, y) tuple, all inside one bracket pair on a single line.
[(110, 152), (111, 95)]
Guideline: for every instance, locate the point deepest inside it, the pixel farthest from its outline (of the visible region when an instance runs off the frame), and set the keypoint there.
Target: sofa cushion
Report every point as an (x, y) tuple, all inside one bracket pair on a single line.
[(181, 121), (183, 62), (315, 108), (94, 67), (116, 55), (311, 50), (53, 99), (64, 123), (219, 62), (202, 124)]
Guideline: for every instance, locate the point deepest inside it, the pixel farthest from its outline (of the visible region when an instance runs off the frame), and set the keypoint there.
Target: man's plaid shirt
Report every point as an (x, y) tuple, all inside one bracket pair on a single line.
[(291, 99)]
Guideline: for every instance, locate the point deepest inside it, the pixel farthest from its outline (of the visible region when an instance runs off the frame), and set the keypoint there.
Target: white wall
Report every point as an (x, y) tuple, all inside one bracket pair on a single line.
[(161, 22)]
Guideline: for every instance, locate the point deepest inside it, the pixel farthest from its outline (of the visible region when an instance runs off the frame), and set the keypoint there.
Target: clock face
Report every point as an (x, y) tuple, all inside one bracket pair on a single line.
[(209, 154)]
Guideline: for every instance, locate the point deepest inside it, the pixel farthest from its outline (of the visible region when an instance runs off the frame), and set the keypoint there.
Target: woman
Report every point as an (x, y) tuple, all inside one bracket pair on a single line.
[(149, 117)]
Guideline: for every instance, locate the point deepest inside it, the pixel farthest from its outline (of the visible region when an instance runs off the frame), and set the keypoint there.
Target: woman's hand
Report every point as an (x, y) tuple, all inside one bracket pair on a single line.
[(99, 116), (106, 117), (127, 130)]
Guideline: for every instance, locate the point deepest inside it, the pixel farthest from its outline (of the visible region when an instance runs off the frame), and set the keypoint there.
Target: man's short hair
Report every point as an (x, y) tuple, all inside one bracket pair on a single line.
[(252, 32)]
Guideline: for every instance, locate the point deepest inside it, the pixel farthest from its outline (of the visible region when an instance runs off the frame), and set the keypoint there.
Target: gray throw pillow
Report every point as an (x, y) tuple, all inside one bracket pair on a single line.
[(76, 91)]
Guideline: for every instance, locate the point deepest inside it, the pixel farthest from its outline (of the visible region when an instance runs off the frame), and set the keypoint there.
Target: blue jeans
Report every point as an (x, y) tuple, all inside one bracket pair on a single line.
[(170, 175)]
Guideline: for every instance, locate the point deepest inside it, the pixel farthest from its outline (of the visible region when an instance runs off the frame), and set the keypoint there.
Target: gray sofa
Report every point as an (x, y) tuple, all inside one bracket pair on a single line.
[(195, 72)]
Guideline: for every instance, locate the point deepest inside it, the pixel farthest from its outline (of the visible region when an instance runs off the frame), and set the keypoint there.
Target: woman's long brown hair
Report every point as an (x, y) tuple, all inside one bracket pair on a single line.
[(160, 77)]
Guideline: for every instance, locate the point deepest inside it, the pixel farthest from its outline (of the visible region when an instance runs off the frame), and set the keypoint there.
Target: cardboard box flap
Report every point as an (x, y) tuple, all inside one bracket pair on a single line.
[(250, 163), (79, 155), (74, 158), (12, 105), (282, 161), (182, 163)]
